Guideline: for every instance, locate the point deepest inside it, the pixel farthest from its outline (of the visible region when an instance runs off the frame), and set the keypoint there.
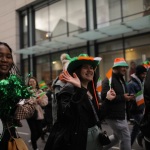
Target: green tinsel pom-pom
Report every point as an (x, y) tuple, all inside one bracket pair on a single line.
[(12, 90)]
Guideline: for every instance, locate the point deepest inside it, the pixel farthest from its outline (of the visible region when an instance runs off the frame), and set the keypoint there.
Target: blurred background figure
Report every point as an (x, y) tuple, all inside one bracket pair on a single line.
[(137, 106), (48, 120), (132, 68), (35, 122)]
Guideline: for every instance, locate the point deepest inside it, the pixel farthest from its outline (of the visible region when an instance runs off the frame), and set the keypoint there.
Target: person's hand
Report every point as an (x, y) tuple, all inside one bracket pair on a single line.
[(32, 100), (129, 97), (73, 80), (111, 95)]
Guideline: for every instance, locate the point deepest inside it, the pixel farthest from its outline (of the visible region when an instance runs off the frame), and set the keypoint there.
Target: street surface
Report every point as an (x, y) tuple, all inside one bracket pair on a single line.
[(25, 134)]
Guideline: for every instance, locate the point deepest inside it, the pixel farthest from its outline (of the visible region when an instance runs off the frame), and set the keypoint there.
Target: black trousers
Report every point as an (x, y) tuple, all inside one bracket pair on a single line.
[(36, 131)]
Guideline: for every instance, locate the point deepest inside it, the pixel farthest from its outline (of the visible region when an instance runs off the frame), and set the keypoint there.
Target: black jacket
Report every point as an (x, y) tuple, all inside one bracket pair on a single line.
[(116, 108), (74, 111), (147, 91), (134, 86)]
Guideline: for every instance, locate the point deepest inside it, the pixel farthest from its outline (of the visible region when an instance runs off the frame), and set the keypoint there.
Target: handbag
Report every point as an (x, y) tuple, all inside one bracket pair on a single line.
[(25, 111), (16, 143), (103, 137)]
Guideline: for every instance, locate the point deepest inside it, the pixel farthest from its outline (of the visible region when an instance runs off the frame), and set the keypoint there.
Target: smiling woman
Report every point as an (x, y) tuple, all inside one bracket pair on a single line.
[(76, 127), (12, 89)]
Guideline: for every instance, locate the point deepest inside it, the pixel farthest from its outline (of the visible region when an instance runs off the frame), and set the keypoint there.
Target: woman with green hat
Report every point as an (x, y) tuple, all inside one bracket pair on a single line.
[(76, 127)]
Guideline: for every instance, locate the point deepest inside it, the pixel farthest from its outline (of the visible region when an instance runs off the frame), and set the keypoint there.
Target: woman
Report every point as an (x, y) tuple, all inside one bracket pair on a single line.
[(76, 126), (9, 76), (35, 122)]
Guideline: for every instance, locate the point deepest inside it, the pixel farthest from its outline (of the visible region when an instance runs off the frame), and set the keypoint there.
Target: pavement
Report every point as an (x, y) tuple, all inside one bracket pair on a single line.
[(24, 132)]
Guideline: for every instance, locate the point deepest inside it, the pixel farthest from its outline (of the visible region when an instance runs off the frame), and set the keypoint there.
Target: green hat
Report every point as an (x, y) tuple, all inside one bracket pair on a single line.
[(120, 62), (42, 85), (146, 64), (75, 62)]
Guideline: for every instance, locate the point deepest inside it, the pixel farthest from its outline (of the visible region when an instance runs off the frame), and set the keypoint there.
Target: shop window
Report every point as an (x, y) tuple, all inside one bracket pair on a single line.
[(41, 25), (25, 35), (133, 9), (26, 65), (57, 18), (108, 12), (76, 15), (137, 55), (43, 68)]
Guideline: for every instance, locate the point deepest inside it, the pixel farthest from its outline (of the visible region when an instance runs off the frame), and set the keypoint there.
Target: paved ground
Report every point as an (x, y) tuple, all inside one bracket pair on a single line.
[(25, 134)]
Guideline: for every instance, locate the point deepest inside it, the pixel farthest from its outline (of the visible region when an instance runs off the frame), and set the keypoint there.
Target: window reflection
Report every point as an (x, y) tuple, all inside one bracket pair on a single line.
[(108, 11), (25, 27), (133, 9), (41, 24), (43, 68), (76, 15)]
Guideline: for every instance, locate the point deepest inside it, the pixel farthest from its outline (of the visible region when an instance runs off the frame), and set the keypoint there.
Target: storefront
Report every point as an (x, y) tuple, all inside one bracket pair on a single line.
[(105, 28)]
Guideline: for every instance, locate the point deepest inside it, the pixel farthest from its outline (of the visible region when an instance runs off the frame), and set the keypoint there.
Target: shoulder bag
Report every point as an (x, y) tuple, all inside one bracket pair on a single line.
[(103, 137), (16, 143)]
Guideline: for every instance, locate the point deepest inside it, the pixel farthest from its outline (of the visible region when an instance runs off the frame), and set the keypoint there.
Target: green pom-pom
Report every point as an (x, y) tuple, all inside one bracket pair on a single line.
[(12, 90)]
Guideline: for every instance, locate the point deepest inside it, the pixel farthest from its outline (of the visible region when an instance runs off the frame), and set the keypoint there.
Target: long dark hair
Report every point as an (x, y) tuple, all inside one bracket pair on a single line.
[(37, 85), (13, 69)]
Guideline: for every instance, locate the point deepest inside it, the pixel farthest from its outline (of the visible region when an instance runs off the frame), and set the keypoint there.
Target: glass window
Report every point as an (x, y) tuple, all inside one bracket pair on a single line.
[(57, 18), (43, 68), (77, 51), (76, 15), (25, 32), (137, 55), (133, 9), (41, 25), (26, 65), (111, 46), (108, 11), (137, 41)]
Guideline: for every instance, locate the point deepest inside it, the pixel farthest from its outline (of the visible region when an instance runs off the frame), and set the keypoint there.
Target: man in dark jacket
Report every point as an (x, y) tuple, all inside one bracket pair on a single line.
[(115, 109), (137, 106)]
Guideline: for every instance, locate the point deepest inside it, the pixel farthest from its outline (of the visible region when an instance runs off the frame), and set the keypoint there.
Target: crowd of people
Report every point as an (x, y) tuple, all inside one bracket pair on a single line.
[(69, 107)]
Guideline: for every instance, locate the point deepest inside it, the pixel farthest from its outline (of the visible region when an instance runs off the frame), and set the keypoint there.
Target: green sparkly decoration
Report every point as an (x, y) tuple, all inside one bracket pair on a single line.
[(12, 90)]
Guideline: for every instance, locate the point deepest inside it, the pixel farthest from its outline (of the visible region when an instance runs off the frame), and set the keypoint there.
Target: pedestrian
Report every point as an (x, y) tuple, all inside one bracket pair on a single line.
[(76, 127), (12, 90), (132, 68), (137, 106), (146, 118), (115, 109), (35, 122), (48, 120)]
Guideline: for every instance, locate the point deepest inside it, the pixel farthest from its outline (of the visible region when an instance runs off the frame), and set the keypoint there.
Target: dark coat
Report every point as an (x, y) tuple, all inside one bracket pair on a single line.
[(134, 86), (147, 91), (48, 108), (116, 108), (70, 130), (145, 123)]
